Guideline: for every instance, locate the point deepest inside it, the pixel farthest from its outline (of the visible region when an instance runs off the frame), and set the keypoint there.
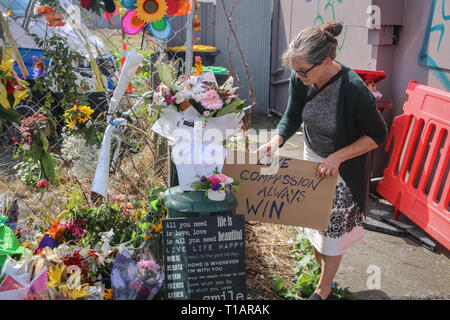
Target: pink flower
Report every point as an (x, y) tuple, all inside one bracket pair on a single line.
[(206, 113), (170, 99), (148, 264), (212, 100), (42, 184), (119, 197), (221, 177), (213, 180)]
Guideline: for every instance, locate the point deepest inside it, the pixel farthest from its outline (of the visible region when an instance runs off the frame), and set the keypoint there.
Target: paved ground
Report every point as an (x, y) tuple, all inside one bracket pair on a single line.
[(383, 266)]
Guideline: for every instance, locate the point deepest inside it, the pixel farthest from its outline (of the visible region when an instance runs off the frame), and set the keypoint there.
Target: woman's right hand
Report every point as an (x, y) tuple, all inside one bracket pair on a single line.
[(271, 147)]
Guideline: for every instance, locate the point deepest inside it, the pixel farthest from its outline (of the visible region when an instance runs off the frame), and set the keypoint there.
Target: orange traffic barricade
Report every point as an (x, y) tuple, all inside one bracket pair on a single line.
[(416, 180)]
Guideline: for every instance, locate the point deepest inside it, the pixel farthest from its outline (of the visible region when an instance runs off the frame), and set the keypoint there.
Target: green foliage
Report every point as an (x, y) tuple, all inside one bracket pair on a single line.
[(35, 164), (29, 171), (141, 225), (167, 75), (61, 76), (307, 274)]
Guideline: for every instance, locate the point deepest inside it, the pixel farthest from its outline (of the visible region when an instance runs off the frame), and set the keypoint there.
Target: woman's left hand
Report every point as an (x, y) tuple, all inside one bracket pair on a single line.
[(329, 166)]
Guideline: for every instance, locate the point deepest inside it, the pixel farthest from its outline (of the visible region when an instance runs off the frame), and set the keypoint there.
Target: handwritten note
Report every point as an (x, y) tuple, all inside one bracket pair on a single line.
[(291, 196)]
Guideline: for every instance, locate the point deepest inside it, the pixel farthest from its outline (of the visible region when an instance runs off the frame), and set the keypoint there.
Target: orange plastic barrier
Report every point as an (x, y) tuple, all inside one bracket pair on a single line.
[(416, 180)]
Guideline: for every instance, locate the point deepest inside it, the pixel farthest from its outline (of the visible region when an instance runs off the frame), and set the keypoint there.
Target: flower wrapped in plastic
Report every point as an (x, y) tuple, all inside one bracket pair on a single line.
[(196, 116), (34, 131), (131, 280)]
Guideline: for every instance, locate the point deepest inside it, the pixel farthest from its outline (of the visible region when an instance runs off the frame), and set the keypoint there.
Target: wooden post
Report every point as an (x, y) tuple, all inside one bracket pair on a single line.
[(189, 40)]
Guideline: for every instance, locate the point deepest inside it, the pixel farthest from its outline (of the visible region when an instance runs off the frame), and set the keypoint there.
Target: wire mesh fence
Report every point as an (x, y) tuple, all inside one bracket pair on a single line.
[(71, 58)]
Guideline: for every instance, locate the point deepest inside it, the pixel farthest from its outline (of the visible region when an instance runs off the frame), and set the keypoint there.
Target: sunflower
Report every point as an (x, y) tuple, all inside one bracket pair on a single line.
[(151, 10)]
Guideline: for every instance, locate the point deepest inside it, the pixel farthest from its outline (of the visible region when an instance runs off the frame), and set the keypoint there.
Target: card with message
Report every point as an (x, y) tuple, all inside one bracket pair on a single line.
[(281, 190)]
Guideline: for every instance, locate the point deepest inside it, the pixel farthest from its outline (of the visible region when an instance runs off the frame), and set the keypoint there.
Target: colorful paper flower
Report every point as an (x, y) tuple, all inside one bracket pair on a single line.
[(151, 10)]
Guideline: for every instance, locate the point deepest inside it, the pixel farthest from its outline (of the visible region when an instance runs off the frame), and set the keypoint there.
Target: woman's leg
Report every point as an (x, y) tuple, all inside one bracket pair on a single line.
[(329, 266), (318, 257)]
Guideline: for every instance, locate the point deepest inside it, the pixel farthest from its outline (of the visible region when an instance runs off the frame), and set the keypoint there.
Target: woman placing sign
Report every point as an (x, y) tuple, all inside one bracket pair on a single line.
[(341, 124)]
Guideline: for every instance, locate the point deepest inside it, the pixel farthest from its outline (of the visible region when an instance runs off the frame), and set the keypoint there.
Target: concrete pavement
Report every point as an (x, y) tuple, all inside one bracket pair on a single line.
[(383, 266)]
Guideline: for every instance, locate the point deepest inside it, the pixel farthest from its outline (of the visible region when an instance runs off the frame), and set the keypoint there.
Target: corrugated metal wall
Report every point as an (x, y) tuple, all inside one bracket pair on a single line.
[(252, 22), (207, 17)]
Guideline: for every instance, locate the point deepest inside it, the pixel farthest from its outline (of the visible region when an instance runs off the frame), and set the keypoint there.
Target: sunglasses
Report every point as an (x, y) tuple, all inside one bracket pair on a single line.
[(304, 73)]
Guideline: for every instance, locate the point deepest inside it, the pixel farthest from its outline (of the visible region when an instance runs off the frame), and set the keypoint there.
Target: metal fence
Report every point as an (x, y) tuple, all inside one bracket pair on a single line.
[(143, 160)]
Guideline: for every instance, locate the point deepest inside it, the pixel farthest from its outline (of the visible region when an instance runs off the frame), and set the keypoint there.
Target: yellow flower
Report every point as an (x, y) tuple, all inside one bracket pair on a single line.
[(19, 95), (107, 295), (79, 292), (54, 276), (151, 10), (70, 123), (87, 112), (6, 66)]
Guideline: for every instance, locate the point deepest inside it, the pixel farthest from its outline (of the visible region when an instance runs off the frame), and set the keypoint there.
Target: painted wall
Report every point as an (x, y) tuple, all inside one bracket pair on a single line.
[(423, 49), (412, 43), (292, 16)]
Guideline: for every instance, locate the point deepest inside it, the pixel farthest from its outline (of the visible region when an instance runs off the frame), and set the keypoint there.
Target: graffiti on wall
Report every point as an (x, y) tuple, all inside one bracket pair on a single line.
[(328, 11), (436, 44)]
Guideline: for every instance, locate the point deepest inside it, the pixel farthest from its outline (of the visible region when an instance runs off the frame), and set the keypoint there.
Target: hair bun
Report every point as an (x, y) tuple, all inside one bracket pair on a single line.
[(334, 29)]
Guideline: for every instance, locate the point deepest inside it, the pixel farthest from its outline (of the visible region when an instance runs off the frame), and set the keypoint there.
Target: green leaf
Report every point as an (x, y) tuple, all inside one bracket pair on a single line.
[(45, 142), (143, 225), (166, 74), (9, 115), (277, 283), (229, 108), (154, 204), (158, 107), (47, 165)]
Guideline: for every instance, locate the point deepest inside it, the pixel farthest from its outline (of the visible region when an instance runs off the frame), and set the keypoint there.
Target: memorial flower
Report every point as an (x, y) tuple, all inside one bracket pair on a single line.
[(208, 98), (12, 88), (218, 182)]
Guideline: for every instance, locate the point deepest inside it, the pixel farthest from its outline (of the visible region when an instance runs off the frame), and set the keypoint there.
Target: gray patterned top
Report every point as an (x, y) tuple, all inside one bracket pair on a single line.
[(319, 118)]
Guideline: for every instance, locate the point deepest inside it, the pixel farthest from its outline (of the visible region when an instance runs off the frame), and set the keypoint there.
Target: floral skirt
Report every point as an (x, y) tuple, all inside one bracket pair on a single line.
[(346, 219)]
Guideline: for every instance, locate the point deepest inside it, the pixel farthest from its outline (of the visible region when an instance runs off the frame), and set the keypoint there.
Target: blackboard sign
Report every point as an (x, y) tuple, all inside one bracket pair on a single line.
[(204, 258)]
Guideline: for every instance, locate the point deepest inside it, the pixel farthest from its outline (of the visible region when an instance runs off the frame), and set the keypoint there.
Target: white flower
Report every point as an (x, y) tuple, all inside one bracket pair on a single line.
[(198, 97), (159, 100), (182, 96), (229, 180), (83, 157)]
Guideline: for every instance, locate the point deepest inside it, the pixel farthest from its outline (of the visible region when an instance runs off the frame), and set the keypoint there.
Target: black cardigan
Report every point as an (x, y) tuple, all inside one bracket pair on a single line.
[(357, 115)]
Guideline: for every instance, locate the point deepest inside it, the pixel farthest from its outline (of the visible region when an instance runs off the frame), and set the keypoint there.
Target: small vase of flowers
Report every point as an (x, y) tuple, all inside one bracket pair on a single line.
[(216, 186)]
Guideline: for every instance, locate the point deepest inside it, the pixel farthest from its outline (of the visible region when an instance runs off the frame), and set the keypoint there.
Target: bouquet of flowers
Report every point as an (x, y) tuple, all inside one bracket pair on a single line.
[(216, 186), (34, 131), (12, 91), (192, 107), (135, 281), (79, 145), (204, 95)]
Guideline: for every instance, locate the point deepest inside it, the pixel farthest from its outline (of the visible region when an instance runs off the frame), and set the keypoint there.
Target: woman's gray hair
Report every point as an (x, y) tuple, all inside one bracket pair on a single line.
[(313, 44)]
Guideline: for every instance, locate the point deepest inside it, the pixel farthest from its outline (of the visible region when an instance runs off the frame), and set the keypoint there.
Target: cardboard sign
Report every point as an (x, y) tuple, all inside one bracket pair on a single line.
[(204, 258), (290, 194)]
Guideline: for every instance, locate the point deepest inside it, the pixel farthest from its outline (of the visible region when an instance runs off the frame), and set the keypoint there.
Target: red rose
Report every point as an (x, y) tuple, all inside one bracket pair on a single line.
[(213, 180)]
